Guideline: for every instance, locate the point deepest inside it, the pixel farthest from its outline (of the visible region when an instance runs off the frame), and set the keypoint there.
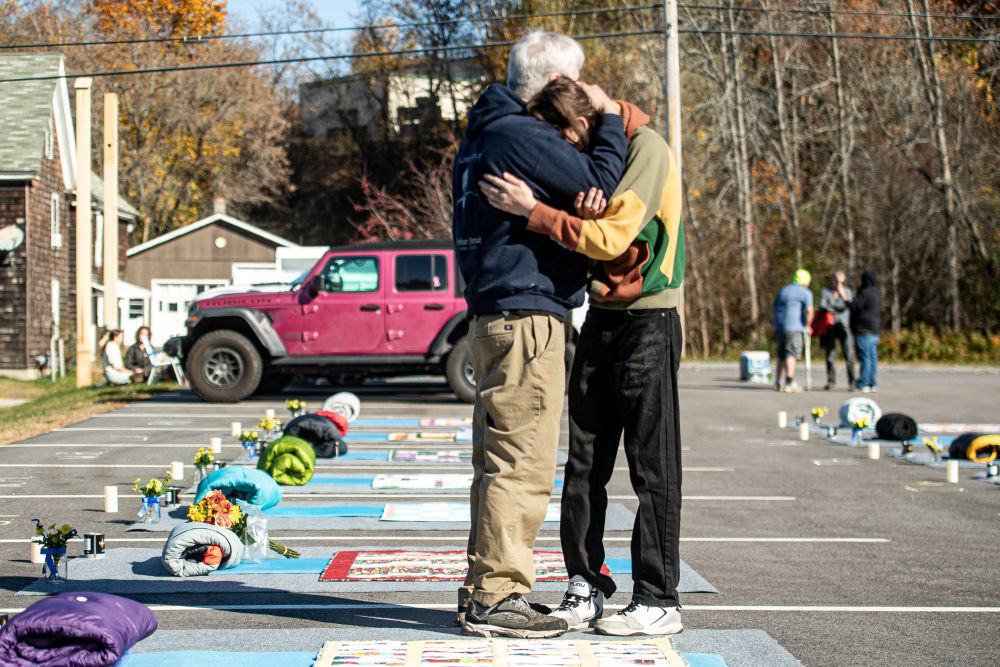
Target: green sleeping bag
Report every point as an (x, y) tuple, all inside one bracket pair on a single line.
[(290, 461)]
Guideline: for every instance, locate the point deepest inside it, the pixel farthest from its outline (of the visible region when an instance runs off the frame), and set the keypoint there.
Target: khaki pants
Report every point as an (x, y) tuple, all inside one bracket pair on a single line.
[(520, 387)]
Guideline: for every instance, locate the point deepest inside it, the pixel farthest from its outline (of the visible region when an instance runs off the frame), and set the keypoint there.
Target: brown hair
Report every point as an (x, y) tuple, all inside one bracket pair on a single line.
[(560, 104)]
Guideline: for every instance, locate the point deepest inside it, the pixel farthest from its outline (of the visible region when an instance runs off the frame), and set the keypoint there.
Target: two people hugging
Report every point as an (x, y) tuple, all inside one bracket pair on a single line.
[(534, 231)]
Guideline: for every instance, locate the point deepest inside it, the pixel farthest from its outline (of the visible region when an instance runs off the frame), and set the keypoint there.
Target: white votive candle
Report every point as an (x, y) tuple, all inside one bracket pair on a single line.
[(873, 450), (216, 444), (236, 428), (952, 471), (269, 413), (803, 431), (782, 419), (177, 470), (36, 552), (111, 499)]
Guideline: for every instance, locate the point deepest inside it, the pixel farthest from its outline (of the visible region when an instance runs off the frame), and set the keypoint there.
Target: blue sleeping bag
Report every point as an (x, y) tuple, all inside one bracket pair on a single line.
[(85, 629), (249, 484)]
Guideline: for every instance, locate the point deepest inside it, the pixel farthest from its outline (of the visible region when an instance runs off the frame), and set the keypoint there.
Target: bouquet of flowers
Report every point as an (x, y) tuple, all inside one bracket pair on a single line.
[(153, 488), (818, 413), (56, 538), (857, 425), (151, 492), (268, 424), (54, 549), (295, 406), (203, 458), (250, 439), (215, 509), (934, 445)]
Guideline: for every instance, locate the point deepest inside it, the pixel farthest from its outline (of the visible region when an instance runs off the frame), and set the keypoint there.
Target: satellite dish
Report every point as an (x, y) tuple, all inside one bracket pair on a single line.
[(11, 237)]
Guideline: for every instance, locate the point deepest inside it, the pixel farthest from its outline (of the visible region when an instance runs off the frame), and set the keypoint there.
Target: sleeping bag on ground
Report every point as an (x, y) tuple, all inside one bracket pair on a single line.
[(189, 549), (320, 432), (896, 426), (254, 486), (86, 629), (289, 460), (857, 408), (978, 447)]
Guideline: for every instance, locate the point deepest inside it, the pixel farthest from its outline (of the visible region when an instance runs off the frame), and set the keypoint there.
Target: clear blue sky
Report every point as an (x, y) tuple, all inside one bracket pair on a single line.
[(336, 13)]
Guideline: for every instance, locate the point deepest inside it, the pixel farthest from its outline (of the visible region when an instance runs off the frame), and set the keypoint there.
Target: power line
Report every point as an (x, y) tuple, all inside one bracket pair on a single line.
[(843, 35), (497, 44), (303, 59), (847, 12), (203, 39)]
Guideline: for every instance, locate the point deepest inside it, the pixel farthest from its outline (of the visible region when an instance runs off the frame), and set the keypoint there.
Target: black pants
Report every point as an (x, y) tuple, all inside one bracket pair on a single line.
[(838, 333), (624, 379)]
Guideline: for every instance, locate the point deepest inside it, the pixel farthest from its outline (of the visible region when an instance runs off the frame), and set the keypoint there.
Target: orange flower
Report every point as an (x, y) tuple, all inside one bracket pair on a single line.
[(223, 520)]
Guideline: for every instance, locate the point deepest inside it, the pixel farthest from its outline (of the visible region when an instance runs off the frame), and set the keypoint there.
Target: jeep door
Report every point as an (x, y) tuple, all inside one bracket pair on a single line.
[(346, 314), (420, 300)]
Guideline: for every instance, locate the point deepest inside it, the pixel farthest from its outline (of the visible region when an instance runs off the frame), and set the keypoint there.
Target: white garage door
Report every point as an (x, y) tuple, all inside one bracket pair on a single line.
[(170, 304)]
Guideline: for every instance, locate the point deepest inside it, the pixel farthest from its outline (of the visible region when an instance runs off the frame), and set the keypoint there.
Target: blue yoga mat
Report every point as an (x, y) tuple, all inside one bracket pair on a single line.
[(291, 659), (316, 565), (327, 511), (363, 456), (279, 566), (619, 565), (339, 481), (218, 659), (703, 660)]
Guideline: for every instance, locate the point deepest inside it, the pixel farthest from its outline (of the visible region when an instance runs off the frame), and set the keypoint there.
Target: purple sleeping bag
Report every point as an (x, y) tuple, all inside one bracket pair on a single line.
[(75, 630)]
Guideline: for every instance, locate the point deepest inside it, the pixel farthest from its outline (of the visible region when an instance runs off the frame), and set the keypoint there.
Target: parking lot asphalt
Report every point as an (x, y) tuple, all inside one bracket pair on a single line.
[(839, 558)]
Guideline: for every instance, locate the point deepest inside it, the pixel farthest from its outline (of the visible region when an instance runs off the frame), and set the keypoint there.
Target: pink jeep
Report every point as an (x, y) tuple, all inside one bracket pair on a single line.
[(375, 309)]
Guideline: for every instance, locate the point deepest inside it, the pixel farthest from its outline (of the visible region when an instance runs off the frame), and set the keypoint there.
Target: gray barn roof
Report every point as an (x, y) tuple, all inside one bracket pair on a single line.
[(25, 110)]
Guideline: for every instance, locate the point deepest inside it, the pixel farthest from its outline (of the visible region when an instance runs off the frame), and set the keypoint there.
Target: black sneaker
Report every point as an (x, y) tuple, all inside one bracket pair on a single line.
[(460, 616), (511, 617)]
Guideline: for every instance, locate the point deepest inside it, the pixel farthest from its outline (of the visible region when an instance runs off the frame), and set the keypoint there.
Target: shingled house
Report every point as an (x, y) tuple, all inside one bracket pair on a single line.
[(37, 196)]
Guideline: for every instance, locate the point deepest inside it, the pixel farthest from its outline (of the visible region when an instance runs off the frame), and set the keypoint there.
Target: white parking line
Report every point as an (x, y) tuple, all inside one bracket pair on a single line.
[(291, 539), (383, 496), (350, 606)]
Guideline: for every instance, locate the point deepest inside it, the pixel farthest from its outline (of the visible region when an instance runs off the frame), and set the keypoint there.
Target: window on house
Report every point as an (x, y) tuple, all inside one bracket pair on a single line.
[(50, 148), (135, 309), (421, 273), (98, 240), (56, 229)]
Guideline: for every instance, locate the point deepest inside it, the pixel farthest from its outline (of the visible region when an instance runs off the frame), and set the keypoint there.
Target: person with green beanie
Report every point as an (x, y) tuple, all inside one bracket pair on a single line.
[(793, 311)]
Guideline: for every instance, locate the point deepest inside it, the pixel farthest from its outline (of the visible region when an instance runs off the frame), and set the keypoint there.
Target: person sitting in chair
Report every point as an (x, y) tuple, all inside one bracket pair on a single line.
[(137, 358), (114, 369)]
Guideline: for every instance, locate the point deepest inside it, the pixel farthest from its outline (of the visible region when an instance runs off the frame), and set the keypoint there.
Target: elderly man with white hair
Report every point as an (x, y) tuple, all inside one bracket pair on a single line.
[(519, 288)]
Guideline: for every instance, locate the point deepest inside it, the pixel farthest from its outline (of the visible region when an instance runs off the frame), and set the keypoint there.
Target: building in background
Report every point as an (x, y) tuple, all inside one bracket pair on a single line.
[(392, 104), (38, 167), (213, 252)]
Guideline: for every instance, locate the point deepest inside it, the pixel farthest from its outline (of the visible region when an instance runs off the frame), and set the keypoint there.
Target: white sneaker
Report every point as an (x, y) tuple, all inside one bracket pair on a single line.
[(582, 604), (640, 619)]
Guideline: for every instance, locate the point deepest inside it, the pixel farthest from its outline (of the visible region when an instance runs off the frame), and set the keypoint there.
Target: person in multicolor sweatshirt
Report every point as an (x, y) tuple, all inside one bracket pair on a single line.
[(624, 379)]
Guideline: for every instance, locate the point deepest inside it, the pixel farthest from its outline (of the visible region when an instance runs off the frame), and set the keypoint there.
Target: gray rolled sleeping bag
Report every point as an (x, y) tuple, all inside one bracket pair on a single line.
[(184, 548)]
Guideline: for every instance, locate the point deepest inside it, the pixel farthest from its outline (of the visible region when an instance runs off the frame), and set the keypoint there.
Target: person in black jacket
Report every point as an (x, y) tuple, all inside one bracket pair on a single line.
[(519, 286), (866, 320), (137, 356)]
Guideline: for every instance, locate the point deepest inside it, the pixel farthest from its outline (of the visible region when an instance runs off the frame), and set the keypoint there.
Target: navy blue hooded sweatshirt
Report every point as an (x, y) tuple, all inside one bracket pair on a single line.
[(506, 267)]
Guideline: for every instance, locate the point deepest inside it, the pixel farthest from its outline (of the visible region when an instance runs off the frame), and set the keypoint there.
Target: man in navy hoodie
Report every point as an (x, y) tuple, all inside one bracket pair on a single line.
[(519, 287)]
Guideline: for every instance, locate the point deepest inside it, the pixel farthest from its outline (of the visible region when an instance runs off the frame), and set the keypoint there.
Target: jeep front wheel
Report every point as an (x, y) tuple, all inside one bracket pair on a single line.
[(458, 371), (224, 367)]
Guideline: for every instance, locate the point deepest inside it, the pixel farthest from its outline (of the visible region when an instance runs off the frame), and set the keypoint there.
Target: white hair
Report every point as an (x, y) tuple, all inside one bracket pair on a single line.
[(537, 56)]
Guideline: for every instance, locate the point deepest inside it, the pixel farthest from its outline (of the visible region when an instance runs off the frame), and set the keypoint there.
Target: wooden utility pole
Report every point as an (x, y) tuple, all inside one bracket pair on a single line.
[(672, 101), (110, 210), (83, 237)]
